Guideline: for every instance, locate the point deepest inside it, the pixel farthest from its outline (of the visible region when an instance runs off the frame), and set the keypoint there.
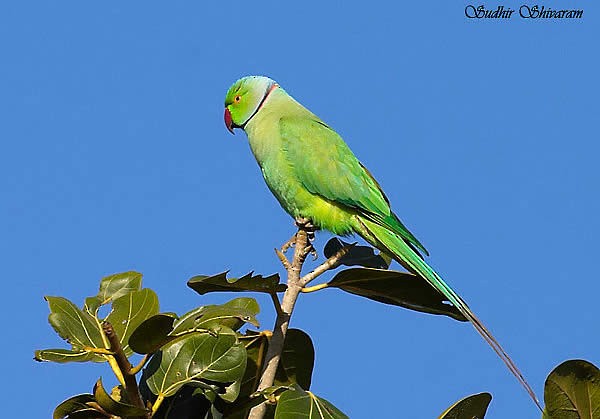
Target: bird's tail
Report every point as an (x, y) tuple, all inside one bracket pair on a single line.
[(408, 258)]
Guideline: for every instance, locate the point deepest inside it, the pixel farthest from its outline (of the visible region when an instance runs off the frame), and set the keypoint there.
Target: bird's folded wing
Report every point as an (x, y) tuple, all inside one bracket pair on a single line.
[(327, 167)]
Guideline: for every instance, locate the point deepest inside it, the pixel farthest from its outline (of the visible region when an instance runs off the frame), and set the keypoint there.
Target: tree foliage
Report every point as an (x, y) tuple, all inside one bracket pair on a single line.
[(207, 363)]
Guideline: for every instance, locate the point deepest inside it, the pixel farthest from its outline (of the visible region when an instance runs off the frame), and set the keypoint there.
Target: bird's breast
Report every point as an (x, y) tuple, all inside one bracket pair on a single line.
[(267, 145)]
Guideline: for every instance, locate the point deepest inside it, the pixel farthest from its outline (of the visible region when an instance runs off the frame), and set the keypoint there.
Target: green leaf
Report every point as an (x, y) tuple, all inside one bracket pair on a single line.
[(270, 393), (77, 327), (231, 392), (91, 305), (396, 288), (88, 414), (471, 407), (242, 407), (256, 347), (129, 311), (187, 403), (152, 333), (113, 406), (203, 284), (295, 367), (79, 403), (196, 356), (357, 255), (304, 404), (111, 288), (117, 285), (232, 314), (228, 392), (160, 329), (82, 328), (63, 356), (572, 391), (187, 322), (297, 360)]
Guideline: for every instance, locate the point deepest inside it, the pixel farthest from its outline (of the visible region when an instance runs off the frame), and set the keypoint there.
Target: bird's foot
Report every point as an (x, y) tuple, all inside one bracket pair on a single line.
[(307, 225), (310, 249), (309, 228)]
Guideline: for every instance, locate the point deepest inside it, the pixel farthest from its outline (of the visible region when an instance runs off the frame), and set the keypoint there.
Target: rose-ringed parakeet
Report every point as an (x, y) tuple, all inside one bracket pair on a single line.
[(314, 175)]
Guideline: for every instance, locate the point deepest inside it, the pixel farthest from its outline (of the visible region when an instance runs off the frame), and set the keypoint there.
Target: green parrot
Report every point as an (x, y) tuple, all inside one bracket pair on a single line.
[(314, 175)]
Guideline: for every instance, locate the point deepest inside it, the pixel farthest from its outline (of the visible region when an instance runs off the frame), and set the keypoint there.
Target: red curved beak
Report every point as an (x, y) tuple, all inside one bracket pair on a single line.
[(228, 121)]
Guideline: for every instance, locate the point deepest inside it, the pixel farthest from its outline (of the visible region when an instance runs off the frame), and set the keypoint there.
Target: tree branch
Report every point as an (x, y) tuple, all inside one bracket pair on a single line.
[(284, 261), (131, 386), (276, 303), (302, 247), (331, 263), (295, 284)]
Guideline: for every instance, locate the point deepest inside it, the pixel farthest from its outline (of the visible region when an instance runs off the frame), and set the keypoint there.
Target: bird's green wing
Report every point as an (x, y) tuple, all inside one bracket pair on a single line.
[(327, 167)]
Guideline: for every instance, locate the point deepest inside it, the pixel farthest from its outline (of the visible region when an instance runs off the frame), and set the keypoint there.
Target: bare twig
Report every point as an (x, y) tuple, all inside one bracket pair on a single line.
[(261, 352), (131, 386), (315, 288), (276, 303), (140, 365), (331, 263), (284, 261)]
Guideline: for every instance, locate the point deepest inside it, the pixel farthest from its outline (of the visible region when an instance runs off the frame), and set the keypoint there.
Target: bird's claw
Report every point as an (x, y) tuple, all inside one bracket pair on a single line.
[(312, 251)]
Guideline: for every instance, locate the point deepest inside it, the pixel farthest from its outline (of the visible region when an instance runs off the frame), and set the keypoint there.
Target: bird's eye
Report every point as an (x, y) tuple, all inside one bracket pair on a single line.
[(237, 98)]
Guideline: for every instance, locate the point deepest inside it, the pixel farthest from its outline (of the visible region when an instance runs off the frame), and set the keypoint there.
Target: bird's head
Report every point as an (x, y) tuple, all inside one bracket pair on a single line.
[(244, 99)]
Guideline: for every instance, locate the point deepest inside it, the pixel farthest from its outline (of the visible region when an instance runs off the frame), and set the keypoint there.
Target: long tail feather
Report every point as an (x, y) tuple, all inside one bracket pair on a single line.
[(406, 256)]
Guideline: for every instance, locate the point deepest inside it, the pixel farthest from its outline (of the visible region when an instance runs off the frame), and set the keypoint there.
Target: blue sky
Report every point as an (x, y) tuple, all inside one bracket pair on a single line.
[(482, 133)]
